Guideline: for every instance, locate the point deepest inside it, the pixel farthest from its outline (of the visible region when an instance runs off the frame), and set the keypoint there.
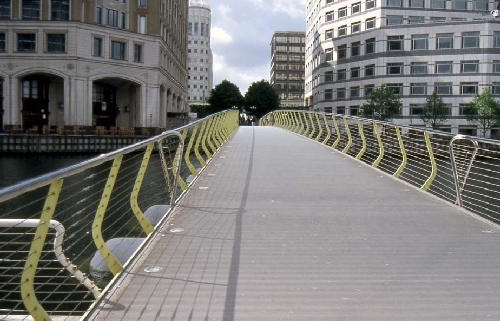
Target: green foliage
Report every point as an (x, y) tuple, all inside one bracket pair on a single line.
[(200, 109), (383, 104), (261, 98), (484, 111), (225, 96), (435, 112)]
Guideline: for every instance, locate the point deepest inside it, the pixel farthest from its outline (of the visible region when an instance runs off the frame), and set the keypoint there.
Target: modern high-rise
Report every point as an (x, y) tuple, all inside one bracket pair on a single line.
[(92, 63), (200, 61), (415, 47), (287, 67)]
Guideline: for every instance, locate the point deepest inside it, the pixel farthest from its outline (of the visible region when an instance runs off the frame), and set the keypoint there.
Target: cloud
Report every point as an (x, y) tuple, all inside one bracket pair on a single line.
[(294, 9), (238, 76), (223, 10), (220, 36)]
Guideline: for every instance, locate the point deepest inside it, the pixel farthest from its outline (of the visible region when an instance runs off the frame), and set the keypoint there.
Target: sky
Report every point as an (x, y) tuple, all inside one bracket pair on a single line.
[(241, 33)]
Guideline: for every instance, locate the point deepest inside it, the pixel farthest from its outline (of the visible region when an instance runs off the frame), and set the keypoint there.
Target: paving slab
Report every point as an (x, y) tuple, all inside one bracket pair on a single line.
[(279, 227)]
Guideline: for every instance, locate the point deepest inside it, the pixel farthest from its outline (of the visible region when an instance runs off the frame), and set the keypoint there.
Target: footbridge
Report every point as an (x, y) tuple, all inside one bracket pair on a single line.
[(307, 216)]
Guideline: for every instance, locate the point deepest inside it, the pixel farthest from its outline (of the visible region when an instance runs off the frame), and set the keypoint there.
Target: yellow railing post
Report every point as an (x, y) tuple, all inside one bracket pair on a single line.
[(197, 145), (362, 135), (328, 131), (337, 132), (429, 180), (207, 124), (114, 265), (312, 126), (28, 276), (380, 146), (320, 128), (187, 153), (182, 183), (403, 153), (349, 138)]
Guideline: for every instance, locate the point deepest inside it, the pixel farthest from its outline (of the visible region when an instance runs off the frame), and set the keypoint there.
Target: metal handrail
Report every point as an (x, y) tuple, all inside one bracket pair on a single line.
[(459, 189), (58, 249)]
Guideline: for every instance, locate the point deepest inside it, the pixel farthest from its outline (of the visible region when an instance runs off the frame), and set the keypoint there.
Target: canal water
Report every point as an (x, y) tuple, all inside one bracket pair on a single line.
[(16, 168)]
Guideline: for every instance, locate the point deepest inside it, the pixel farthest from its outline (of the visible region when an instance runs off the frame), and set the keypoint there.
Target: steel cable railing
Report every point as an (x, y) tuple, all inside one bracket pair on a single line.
[(461, 169), (107, 207)]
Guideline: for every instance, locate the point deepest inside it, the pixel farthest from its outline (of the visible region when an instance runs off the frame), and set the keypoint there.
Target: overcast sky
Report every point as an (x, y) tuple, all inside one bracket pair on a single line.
[(241, 34)]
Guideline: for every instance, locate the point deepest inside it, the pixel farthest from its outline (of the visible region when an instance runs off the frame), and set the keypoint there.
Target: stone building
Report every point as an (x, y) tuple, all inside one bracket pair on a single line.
[(92, 63)]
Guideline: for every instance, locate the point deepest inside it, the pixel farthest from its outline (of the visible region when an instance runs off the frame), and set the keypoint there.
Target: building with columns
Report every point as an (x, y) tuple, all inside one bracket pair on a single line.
[(92, 63), (200, 61)]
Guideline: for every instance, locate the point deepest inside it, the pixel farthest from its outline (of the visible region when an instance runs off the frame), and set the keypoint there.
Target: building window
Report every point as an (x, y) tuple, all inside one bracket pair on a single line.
[(97, 47), (354, 92), (416, 19), (480, 5), (495, 89), (368, 90), (394, 3), (395, 43), (98, 15), (370, 4), (329, 76), (419, 42), (340, 93), (329, 16), (370, 46), (444, 67), (354, 110), (370, 23), (143, 3), (394, 20), (355, 72), (355, 49), (356, 7), (438, 4), (496, 39), (342, 30), (142, 24), (342, 74), (369, 70), (59, 10), (438, 19), (459, 4), (444, 41), (31, 9), (341, 110), (397, 89), (470, 39), (56, 42), (26, 42), (395, 68), (416, 109), (356, 27), (329, 54), (117, 50), (2, 42), (5, 9), (443, 88), (342, 52), (112, 18), (328, 94), (418, 89), (468, 88), (416, 3), (123, 21), (469, 66), (496, 66), (418, 68), (138, 53), (329, 1), (342, 12), (329, 34)]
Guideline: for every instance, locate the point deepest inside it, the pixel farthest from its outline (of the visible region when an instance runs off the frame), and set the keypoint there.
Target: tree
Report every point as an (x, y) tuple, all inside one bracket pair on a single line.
[(484, 111), (225, 95), (261, 98), (383, 104), (435, 112)]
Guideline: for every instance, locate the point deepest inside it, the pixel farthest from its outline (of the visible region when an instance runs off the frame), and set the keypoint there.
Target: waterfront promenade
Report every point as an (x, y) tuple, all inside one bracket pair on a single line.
[(278, 227)]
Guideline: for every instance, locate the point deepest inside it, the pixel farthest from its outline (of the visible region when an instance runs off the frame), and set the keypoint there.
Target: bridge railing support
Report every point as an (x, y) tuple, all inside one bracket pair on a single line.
[(107, 207), (461, 169)]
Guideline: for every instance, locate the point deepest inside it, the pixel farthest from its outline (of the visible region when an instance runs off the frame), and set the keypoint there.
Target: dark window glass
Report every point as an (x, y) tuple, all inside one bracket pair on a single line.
[(117, 50), (60, 10), (97, 47), (5, 9), (137, 53), (31, 9), (56, 43), (26, 42), (2, 43)]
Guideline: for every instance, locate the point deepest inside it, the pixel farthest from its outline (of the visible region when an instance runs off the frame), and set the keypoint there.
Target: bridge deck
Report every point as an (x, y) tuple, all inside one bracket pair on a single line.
[(280, 228)]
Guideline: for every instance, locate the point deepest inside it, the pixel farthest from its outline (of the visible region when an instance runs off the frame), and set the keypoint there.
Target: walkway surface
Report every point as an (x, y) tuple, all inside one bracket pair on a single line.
[(282, 228)]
